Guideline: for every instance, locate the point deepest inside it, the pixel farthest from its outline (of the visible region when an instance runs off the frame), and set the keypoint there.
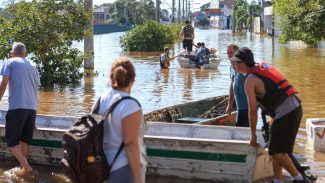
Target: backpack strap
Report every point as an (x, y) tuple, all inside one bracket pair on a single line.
[(110, 110)]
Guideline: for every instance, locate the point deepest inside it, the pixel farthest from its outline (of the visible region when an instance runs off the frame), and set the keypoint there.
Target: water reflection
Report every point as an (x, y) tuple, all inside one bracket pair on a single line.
[(156, 88)]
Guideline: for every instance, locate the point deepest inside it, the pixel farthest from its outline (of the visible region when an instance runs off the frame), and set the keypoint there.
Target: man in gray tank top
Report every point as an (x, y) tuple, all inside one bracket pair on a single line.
[(23, 79)]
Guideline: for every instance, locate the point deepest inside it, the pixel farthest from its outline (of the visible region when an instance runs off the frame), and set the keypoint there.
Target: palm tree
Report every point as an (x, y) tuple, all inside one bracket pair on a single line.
[(254, 10)]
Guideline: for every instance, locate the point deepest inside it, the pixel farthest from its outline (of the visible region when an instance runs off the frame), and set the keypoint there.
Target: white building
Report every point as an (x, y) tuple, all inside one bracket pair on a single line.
[(268, 14), (220, 12)]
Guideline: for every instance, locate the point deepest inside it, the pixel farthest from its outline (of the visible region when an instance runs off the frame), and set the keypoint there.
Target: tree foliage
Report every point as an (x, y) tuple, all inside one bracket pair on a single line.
[(301, 20), (137, 12), (47, 28), (152, 36), (245, 13)]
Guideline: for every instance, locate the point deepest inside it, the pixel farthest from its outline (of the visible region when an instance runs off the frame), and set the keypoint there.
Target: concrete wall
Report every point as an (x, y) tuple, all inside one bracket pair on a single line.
[(108, 28)]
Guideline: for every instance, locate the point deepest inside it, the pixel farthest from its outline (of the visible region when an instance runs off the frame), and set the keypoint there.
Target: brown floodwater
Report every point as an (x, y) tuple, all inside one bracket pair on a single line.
[(156, 88)]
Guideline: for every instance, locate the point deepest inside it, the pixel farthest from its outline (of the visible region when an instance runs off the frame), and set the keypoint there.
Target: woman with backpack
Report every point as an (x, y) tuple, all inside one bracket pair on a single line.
[(123, 129)]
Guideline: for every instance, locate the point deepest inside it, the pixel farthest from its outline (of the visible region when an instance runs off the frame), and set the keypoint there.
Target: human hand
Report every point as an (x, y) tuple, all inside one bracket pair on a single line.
[(253, 141), (228, 109)]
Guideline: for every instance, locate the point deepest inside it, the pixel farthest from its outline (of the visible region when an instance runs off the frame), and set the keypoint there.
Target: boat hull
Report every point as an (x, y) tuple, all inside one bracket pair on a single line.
[(186, 63), (182, 150)]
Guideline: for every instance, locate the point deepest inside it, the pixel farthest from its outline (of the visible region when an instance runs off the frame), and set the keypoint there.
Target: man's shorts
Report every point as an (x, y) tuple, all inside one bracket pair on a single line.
[(284, 131), (188, 44), (19, 126), (242, 118)]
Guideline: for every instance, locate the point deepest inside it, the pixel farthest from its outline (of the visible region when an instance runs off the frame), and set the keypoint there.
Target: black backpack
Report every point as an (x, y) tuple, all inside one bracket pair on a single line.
[(84, 160)]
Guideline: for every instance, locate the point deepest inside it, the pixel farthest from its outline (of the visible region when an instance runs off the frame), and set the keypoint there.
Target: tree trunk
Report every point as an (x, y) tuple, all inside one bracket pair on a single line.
[(89, 40)]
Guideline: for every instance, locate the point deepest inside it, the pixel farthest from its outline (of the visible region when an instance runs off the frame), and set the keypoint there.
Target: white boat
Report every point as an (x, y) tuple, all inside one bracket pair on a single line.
[(315, 128), (197, 152), (213, 62)]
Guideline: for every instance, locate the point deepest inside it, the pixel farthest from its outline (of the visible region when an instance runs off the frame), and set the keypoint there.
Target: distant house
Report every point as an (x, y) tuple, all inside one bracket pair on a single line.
[(100, 15), (268, 13), (220, 13)]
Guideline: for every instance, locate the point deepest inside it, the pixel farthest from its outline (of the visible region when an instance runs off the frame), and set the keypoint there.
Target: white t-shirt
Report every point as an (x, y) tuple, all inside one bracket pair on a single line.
[(113, 135)]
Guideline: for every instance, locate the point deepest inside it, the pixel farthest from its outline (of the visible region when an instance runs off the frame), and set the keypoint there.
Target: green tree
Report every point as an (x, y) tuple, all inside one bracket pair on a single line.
[(152, 36), (47, 28), (254, 10), (300, 20), (241, 14), (138, 12)]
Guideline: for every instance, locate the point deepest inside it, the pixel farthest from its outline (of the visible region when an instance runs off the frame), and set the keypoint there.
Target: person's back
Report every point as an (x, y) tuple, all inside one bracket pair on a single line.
[(188, 31), (23, 84), (123, 130), (113, 130), (23, 81)]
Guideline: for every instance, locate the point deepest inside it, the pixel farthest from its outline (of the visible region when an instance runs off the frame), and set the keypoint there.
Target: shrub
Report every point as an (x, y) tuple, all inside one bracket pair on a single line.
[(150, 37)]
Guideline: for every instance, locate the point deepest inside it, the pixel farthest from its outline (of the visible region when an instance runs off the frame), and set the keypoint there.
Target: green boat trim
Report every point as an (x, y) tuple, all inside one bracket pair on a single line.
[(205, 156), (164, 153)]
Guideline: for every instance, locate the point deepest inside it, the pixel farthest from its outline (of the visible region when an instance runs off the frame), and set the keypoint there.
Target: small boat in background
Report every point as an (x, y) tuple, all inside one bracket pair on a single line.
[(209, 111), (212, 63)]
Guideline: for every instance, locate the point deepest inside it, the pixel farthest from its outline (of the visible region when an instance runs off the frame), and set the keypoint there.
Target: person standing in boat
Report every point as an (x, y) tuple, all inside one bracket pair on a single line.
[(126, 126), (266, 86), (24, 81), (237, 91), (187, 33), (164, 59)]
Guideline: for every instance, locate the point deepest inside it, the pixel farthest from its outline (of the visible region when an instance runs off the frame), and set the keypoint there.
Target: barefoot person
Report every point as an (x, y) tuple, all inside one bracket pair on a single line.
[(23, 79), (266, 86)]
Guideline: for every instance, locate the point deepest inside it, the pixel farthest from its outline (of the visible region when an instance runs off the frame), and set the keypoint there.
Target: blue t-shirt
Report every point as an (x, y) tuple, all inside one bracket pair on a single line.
[(239, 90), (23, 83)]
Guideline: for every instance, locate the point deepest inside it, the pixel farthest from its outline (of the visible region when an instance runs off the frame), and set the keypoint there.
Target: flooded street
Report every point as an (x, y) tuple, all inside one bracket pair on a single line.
[(156, 88)]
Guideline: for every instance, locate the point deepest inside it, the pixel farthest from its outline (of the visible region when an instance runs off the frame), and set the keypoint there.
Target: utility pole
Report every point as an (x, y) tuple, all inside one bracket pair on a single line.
[(233, 17), (126, 16), (189, 9), (183, 12), (262, 19), (158, 10), (89, 39), (186, 12), (173, 11), (179, 11)]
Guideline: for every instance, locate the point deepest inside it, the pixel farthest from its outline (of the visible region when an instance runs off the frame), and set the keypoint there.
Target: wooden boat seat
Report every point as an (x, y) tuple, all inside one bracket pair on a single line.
[(190, 120)]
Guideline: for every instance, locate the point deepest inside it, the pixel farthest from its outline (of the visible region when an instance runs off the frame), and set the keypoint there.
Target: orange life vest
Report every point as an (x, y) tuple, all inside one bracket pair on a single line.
[(277, 88)]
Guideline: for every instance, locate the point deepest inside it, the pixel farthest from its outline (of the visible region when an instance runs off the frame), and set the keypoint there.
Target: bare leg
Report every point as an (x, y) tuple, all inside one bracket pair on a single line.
[(24, 149), (285, 161), (17, 152), (277, 169)]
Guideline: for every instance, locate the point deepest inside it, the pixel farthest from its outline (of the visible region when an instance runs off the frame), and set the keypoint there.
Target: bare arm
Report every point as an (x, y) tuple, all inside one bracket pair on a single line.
[(131, 128), (181, 34), (230, 99), (250, 85), (3, 85)]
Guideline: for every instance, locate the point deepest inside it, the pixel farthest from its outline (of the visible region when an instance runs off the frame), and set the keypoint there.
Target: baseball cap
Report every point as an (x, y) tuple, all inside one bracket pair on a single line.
[(243, 54)]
